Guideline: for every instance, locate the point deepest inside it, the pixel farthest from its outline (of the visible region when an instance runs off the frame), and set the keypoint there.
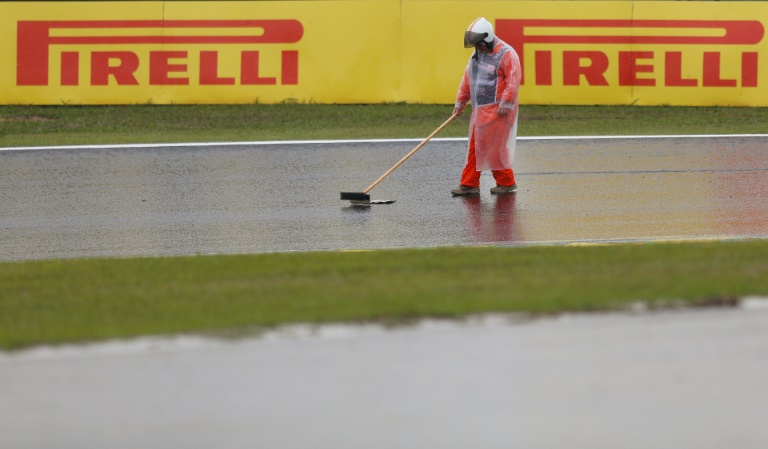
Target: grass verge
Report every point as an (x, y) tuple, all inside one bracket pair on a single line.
[(75, 300), (78, 125)]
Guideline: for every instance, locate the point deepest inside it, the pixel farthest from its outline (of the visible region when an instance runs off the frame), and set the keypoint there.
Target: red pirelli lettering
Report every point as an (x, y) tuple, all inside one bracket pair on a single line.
[(519, 33), (573, 68), (673, 75), (119, 64), (34, 41), (209, 70), (630, 66), (161, 66)]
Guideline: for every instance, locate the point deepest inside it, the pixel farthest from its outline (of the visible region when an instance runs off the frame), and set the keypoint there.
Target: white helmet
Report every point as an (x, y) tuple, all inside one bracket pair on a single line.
[(479, 30)]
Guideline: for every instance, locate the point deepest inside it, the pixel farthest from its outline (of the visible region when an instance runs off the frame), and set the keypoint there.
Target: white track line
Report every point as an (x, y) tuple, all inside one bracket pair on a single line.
[(321, 142)]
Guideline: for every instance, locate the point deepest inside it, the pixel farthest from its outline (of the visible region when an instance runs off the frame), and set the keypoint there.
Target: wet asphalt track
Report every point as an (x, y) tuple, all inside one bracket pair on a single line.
[(226, 199)]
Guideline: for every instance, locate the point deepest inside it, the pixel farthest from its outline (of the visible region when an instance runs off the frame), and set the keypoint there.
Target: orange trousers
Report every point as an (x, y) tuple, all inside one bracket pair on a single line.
[(470, 176)]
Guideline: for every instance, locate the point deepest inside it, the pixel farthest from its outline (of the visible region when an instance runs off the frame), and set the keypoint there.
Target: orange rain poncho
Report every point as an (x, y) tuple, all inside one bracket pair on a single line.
[(492, 80)]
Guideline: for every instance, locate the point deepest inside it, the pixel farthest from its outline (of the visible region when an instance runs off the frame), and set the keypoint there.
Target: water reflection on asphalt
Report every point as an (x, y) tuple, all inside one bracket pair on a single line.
[(491, 221), (226, 199)]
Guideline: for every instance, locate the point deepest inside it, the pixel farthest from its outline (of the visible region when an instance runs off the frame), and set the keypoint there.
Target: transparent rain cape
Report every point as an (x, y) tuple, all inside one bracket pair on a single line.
[(495, 137)]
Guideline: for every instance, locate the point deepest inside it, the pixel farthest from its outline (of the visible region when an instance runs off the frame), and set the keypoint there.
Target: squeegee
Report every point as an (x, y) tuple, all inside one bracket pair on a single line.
[(363, 197)]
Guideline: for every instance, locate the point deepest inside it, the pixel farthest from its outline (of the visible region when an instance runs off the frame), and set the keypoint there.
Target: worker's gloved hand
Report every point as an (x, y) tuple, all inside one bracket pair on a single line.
[(458, 110), (503, 111)]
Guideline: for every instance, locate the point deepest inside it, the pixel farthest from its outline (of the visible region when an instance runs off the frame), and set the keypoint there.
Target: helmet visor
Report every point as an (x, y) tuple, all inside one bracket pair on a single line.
[(471, 38)]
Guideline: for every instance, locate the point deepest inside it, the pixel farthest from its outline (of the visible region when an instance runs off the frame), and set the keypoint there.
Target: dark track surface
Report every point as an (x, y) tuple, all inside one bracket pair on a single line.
[(226, 199)]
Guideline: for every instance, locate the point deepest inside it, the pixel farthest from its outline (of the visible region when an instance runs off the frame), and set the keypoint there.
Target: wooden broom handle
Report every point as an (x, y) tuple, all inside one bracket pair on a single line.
[(411, 152)]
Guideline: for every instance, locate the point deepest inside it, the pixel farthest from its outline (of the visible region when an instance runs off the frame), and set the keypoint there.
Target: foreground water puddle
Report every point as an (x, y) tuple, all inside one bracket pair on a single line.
[(694, 376), (338, 331)]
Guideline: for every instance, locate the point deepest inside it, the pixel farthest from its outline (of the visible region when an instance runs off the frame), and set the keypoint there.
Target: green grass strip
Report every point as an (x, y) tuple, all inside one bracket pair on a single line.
[(77, 300), (119, 124)]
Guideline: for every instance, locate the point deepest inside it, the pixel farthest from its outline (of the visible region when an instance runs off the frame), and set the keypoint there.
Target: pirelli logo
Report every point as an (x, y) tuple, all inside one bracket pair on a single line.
[(666, 53), (174, 46)]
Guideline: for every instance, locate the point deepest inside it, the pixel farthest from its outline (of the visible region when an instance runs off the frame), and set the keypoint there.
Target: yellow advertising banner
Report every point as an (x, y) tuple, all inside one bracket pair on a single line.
[(372, 51), (601, 52), (199, 52)]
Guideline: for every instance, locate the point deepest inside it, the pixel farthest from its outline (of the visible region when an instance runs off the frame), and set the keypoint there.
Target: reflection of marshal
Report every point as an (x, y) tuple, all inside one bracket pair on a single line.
[(684, 62), (36, 38)]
